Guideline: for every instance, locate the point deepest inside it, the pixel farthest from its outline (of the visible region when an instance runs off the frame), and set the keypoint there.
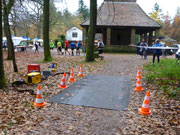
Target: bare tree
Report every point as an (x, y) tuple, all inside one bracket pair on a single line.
[(36, 11), (2, 76), (7, 8)]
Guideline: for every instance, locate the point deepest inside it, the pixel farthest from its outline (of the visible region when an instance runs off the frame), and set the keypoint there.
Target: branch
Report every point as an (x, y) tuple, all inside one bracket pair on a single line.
[(9, 6)]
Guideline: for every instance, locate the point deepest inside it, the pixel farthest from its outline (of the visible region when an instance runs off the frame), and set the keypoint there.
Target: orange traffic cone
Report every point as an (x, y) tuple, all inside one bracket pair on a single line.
[(39, 100), (63, 82), (138, 86), (144, 110), (138, 74), (80, 72), (71, 78)]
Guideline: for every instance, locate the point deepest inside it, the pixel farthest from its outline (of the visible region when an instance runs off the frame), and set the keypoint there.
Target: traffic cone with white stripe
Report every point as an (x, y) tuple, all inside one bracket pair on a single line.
[(63, 82), (39, 100), (144, 110), (71, 78), (138, 74), (138, 85), (80, 71)]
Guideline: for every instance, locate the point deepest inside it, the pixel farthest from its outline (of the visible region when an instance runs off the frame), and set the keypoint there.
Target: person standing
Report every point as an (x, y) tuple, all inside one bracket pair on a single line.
[(137, 51), (157, 52), (73, 45), (66, 47), (36, 47), (59, 47), (51, 45), (164, 51), (100, 48), (143, 49)]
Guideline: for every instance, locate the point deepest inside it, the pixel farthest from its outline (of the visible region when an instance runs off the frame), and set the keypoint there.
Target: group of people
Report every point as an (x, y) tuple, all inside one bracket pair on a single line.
[(142, 50), (73, 45)]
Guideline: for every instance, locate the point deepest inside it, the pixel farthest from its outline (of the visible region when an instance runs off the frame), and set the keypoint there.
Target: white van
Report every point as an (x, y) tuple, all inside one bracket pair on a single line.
[(16, 40)]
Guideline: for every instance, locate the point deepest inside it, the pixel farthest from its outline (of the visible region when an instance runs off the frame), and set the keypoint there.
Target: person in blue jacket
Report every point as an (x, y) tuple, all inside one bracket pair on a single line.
[(157, 52), (73, 45)]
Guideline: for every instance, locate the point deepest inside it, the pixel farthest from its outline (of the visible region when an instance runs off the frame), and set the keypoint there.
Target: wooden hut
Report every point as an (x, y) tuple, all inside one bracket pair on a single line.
[(120, 20)]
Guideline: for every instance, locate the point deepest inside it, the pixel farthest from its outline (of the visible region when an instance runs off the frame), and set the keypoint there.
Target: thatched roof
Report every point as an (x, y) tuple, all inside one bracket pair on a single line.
[(122, 14)]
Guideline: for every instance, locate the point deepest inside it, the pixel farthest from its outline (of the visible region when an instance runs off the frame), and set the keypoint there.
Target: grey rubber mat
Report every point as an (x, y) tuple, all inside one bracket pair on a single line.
[(100, 91)]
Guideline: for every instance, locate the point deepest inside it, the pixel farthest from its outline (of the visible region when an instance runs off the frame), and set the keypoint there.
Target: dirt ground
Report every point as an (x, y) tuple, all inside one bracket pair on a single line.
[(18, 116)]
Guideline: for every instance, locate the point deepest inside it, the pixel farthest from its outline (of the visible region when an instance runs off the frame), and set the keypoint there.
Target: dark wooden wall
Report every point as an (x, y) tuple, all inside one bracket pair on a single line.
[(120, 37)]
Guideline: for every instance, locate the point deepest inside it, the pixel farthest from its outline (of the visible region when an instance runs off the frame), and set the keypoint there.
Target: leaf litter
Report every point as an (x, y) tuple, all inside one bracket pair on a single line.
[(19, 116)]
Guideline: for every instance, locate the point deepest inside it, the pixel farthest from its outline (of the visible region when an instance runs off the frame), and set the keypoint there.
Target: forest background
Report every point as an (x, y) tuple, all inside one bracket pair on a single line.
[(26, 19)]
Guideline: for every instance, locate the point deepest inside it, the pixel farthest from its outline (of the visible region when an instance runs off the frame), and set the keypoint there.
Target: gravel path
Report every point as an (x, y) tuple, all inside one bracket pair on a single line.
[(67, 119)]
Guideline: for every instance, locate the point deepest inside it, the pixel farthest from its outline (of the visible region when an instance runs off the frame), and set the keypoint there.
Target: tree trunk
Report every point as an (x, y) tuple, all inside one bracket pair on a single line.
[(39, 31), (2, 76), (47, 53), (14, 22), (91, 31), (14, 30), (8, 36)]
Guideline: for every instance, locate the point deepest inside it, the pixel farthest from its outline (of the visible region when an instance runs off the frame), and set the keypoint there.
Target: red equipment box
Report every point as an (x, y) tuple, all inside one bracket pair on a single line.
[(33, 68)]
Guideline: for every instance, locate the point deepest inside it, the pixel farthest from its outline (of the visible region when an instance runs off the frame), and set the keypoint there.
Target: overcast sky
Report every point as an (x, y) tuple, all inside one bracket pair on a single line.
[(169, 6)]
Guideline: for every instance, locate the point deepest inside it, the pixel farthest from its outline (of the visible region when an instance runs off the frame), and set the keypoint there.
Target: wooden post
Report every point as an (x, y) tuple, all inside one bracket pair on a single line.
[(157, 33), (145, 37), (150, 38), (84, 35), (104, 35), (108, 36), (141, 37), (133, 32)]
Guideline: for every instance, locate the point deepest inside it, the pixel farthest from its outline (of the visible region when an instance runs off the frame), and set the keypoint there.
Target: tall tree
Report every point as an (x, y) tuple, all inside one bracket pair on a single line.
[(83, 10), (166, 29), (2, 76), (7, 9), (156, 14), (47, 53), (175, 33), (91, 31), (178, 11), (35, 8)]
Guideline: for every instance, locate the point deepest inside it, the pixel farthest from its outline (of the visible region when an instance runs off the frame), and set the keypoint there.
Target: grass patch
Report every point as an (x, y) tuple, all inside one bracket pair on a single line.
[(165, 74)]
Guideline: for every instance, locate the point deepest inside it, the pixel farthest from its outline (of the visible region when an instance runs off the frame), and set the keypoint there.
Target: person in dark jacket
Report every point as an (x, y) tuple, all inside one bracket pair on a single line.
[(157, 52), (36, 47), (143, 49)]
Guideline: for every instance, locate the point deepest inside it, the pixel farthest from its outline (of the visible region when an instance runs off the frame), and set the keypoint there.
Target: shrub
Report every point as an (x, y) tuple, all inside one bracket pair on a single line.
[(119, 49)]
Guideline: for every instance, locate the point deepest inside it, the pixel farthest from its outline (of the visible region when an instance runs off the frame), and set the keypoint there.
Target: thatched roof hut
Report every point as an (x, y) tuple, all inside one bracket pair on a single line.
[(120, 20)]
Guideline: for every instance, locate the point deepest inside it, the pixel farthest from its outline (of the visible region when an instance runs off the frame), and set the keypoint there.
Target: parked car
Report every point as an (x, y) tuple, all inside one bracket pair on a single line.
[(178, 51), (16, 40), (176, 45), (150, 51)]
